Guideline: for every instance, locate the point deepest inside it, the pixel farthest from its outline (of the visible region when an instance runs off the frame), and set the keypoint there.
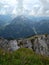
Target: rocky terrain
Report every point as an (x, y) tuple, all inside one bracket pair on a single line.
[(38, 43)]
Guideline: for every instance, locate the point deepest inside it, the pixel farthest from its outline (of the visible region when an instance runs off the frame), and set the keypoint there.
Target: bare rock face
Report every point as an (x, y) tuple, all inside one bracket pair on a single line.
[(26, 44), (13, 45), (4, 44), (9, 45), (39, 44)]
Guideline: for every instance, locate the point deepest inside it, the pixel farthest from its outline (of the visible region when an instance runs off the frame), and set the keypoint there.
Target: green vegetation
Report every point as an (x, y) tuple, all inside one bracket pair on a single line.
[(22, 56)]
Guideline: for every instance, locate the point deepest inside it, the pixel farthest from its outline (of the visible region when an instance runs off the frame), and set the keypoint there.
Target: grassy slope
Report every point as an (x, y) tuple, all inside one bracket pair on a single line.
[(22, 56)]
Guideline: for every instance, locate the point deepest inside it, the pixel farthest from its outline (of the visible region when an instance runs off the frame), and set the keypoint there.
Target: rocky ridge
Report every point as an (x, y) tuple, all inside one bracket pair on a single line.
[(38, 43)]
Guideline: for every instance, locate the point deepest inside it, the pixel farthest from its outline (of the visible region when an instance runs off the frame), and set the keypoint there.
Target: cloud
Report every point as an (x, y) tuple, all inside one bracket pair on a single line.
[(26, 7), (40, 8), (45, 7), (7, 6)]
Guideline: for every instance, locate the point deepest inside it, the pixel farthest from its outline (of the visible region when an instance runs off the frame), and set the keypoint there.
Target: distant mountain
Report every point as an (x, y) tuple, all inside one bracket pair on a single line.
[(38, 18), (20, 27), (5, 19), (42, 26), (23, 26), (1, 23)]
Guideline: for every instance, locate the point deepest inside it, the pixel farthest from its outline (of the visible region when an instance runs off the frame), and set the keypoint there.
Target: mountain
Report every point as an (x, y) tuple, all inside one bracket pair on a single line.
[(20, 27), (5, 19), (1, 23), (23, 26), (42, 26)]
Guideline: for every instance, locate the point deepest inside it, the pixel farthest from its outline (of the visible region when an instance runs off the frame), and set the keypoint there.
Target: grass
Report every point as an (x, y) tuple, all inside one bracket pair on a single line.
[(22, 56)]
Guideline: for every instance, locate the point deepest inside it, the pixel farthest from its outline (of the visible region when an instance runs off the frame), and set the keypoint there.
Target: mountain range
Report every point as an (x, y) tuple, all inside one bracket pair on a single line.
[(24, 26), (5, 19)]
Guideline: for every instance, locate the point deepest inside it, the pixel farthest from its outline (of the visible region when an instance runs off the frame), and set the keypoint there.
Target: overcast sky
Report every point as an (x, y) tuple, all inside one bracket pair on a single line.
[(29, 7)]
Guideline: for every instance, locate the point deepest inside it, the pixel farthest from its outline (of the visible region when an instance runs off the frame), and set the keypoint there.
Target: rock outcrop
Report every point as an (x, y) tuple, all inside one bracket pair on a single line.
[(39, 44)]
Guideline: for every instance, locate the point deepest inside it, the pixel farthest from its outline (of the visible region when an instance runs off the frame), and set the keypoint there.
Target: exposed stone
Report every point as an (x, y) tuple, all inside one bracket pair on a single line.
[(39, 44)]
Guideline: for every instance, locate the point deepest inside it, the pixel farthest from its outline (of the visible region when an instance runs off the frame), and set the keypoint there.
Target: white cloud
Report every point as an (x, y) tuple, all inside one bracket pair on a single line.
[(7, 6), (45, 6), (32, 13), (30, 7), (14, 11)]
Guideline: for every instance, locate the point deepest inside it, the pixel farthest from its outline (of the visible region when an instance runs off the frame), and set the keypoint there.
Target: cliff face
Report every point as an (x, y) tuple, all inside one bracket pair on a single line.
[(9, 45), (39, 44)]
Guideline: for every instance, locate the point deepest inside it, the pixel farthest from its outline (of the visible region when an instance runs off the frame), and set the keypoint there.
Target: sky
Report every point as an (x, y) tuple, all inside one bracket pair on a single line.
[(26, 7)]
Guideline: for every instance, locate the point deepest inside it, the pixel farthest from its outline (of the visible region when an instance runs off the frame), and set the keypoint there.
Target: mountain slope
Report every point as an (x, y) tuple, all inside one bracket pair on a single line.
[(42, 27), (20, 27)]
